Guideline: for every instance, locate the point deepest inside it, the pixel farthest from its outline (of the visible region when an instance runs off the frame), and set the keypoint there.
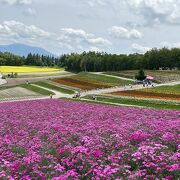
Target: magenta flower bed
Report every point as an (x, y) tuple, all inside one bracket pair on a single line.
[(58, 139)]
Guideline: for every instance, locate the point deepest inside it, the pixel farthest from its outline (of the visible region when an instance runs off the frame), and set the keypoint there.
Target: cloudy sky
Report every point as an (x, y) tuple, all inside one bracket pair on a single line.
[(114, 26)]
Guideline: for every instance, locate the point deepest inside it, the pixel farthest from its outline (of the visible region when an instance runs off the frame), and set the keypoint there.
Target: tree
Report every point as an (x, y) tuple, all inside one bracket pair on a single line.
[(140, 76)]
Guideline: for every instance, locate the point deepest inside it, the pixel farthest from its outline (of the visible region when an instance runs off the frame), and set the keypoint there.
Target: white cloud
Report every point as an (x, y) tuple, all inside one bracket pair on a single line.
[(121, 32), (170, 45), (30, 12), (95, 49), (157, 11), (19, 30), (81, 40), (99, 41), (75, 33), (139, 48), (93, 3), (67, 40), (17, 2)]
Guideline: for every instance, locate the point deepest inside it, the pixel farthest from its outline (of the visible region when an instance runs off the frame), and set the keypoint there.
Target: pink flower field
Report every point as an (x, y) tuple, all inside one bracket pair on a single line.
[(59, 139)]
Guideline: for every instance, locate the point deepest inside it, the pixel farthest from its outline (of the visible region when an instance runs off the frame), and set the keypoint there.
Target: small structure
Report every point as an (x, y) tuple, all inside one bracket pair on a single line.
[(148, 80)]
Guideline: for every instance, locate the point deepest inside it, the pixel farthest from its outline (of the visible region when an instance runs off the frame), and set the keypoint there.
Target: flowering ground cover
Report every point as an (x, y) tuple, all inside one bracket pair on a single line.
[(150, 93), (27, 69), (79, 83), (89, 81), (60, 139)]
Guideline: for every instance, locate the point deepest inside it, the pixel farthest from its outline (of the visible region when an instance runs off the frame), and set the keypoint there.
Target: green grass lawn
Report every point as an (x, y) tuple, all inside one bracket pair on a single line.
[(54, 87), (169, 88), (103, 78), (136, 102), (36, 89), (120, 74)]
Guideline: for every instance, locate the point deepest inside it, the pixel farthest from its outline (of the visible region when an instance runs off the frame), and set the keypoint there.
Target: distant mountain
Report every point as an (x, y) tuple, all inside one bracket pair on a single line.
[(24, 50)]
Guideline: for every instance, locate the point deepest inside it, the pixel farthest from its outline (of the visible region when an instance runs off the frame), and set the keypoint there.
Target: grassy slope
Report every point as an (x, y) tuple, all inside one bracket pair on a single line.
[(144, 103), (160, 76), (169, 88), (102, 78), (37, 90), (54, 87)]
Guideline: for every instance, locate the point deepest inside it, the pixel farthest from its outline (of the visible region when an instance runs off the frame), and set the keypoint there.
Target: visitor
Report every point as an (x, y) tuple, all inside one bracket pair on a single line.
[(94, 98), (50, 96)]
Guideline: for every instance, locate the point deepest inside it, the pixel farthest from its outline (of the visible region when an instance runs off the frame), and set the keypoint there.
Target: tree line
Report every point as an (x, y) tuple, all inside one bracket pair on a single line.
[(8, 59), (154, 59), (95, 61)]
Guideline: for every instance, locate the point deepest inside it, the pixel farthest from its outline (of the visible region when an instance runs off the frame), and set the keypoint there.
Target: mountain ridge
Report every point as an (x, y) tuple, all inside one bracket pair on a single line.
[(24, 50)]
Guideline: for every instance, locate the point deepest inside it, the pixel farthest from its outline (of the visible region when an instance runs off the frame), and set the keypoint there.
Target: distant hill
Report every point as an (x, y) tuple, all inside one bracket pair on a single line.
[(24, 50)]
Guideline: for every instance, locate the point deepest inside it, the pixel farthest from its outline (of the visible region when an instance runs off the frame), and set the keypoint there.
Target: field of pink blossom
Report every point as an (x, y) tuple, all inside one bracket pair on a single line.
[(59, 139)]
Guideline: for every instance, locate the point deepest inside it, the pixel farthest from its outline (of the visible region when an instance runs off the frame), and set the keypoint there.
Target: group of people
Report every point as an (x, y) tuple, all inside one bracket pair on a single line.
[(77, 94), (147, 83)]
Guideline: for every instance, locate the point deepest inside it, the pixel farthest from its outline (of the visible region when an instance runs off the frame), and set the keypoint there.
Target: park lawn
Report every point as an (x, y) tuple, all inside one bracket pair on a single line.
[(38, 90), (136, 102), (26, 69), (54, 87)]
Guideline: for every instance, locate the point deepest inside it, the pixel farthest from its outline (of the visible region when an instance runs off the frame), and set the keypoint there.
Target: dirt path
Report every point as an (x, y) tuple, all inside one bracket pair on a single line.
[(169, 84), (122, 78), (109, 90), (133, 87), (57, 93)]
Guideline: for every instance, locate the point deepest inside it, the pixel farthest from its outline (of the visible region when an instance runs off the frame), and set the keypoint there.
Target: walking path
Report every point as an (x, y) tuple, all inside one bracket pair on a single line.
[(169, 84), (110, 103), (108, 75), (57, 93), (113, 89)]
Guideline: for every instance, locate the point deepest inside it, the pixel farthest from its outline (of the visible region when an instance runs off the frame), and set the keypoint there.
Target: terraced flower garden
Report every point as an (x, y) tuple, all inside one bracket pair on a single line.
[(164, 92), (159, 76), (58, 139), (88, 81)]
